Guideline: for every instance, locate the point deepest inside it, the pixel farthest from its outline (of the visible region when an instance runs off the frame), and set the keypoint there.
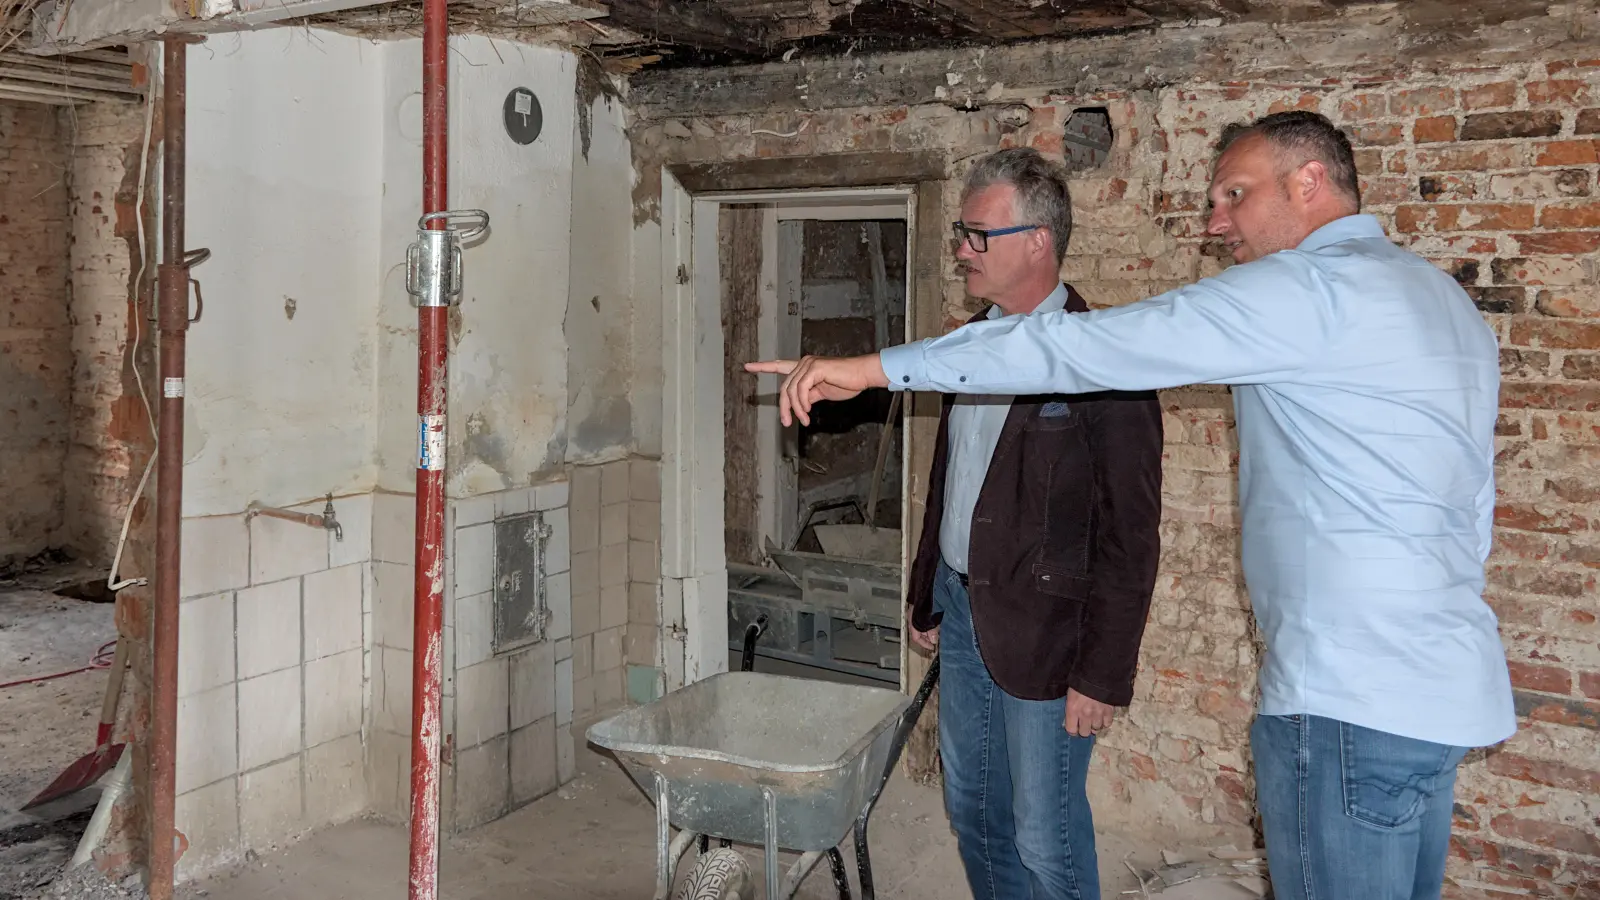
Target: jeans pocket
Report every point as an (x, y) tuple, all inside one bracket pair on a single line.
[(1387, 778)]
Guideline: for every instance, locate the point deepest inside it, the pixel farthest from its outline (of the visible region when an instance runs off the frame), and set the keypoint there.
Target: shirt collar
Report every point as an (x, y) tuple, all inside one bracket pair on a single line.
[(1342, 229), (1055, 302)]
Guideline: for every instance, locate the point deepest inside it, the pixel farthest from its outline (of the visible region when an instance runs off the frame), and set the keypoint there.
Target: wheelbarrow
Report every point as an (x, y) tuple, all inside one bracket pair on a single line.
[(755, 758)]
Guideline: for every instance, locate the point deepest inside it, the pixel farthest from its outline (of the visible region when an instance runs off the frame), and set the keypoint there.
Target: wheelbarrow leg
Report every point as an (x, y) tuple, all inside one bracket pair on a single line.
[(771, 817), (864, 861), (668, 848), (841, 878)]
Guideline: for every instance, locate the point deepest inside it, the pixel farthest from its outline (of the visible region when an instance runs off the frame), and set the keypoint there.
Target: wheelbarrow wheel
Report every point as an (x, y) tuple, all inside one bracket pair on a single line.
[(721, 874)]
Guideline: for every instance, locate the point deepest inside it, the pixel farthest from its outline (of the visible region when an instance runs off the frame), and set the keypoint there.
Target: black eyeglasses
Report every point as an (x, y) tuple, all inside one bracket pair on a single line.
[(978, 238)]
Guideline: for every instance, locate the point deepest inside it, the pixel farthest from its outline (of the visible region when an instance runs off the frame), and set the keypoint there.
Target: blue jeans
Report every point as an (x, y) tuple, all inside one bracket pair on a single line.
[(1350, 813), (1013, 776)]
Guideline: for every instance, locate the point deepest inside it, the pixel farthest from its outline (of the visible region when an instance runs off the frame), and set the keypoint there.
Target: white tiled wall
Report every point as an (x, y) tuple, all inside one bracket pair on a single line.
[(273, 638), (500, 710)]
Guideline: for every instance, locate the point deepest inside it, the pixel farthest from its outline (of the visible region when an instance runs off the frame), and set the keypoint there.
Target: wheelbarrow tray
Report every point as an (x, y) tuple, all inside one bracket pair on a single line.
[(724, 743)]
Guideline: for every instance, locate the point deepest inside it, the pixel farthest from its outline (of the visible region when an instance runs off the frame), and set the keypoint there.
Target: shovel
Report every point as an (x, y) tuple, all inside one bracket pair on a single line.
[(87, 769)]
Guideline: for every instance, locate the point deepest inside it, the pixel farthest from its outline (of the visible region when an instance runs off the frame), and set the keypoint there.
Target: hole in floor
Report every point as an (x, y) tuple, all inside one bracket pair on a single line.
[(95, 591)]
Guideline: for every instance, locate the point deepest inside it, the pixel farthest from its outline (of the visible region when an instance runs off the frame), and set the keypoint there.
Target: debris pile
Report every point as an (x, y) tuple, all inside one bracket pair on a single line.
[(1223, 873)]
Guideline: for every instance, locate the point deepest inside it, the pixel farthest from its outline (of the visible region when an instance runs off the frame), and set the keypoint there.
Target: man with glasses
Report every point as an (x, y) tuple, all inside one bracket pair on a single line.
[(1036, 563), (1366, 389)]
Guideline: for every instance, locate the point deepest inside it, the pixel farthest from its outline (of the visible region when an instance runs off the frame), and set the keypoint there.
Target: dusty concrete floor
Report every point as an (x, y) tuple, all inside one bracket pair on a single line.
[(595, 840), (45, 726)]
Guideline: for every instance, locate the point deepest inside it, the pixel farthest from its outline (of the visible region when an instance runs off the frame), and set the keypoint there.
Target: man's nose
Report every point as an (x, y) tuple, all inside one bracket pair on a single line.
[(964, 249), (1219, 223)]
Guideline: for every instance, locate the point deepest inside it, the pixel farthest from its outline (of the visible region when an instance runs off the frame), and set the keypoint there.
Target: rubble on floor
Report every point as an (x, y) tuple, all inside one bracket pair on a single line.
[(1222, 873), (86, 882)]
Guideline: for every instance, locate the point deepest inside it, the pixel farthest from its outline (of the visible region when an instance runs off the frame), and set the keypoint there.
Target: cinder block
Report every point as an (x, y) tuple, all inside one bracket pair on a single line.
[(205, 644), (334, 692), (582, 657), (208, 818), (644, 562), (585, 613), (335, 781), (332, 612), (389, 775), (513, 502), (533, 684), (269, 718), (644, 521), (208, 738), (608, 689), (269, 628), (483, 702), (585, 527), (643, 605), (271, 807), (566, 753), (534, 771), (392, 689), (216, 555)]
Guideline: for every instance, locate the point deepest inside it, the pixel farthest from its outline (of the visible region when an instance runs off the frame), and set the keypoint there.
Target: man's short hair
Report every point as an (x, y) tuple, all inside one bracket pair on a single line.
[(1042, 196), (1300, 136)]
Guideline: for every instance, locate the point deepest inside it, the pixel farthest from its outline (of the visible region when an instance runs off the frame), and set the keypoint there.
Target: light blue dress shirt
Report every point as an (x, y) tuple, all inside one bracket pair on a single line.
[(976, 421), (1366, 388)]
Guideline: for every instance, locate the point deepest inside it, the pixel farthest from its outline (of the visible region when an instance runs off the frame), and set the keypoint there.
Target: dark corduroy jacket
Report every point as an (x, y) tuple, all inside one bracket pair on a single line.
[(1064, 544)]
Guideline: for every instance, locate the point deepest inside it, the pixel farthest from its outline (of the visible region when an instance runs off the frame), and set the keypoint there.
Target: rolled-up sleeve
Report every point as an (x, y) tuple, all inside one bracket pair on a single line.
[(1252, 323)]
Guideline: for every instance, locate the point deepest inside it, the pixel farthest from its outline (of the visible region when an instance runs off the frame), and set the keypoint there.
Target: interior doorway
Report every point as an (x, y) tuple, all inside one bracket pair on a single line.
[(813, 513), (770, 520)]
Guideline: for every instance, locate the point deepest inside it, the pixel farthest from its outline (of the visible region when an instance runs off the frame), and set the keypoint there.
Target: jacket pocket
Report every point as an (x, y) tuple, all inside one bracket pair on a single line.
[(1059, 582)]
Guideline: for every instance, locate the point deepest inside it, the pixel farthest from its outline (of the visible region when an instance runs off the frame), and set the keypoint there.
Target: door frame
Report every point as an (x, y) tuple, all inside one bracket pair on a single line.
[(694, 637)]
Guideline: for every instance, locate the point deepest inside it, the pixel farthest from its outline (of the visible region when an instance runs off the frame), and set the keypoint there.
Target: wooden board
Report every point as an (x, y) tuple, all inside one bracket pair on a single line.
[(739, 255)]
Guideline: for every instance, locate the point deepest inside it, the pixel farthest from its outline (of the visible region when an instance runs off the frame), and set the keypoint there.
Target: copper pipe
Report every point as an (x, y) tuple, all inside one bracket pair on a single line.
[(173, 305), (432, 394)]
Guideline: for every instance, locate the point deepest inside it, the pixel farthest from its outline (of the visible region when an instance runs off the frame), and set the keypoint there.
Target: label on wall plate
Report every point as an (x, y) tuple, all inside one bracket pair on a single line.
[(172, 387), (430, 443)]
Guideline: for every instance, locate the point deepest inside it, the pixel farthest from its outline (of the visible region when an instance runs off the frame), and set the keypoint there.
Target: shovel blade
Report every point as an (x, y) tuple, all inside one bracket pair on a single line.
[(86, 770)]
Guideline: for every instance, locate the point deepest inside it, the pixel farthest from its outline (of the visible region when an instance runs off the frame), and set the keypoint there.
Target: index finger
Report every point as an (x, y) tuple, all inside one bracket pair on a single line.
[(771, 366)]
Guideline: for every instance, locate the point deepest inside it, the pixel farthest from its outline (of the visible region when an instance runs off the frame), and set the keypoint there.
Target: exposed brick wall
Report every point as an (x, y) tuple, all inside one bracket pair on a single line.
[(1489, 172), (109, 423), (35, 336)]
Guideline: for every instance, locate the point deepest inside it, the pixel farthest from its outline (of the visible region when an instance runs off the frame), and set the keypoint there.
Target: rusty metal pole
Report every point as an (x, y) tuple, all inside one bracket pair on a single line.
[(432, 361), (173, 312)]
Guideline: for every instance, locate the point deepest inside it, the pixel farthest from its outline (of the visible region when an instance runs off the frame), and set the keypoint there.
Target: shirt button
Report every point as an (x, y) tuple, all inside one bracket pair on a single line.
[(906, 379), (963, 379)]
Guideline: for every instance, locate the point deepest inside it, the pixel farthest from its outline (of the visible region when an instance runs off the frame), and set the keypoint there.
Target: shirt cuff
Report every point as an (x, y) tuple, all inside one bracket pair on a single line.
[(905, 365)]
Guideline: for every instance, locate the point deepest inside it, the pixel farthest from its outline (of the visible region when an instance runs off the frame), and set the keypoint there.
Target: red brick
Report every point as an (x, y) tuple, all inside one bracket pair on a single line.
[(1433, 130), (1363, 107), (1465, 217), (1546, 679), (1557, 710), (1589, 684), (1540, 185), (1562, 92), (1433, 188), (1489, 96), (1143, 766), (1555, 334), (1540, 270), (1588, 122), (1386, 191), (1537, 580), (1505, 857), (1558, 243), (1568, 153), (1369, 161), (1498, 299), (1544, 772), (1380, 134), (1552, 835), (1570, 215), (1470, 159), (1500, 126), (1581, 367), (1310, 102), (1573, 302), (1528, 518), (1422, 101)]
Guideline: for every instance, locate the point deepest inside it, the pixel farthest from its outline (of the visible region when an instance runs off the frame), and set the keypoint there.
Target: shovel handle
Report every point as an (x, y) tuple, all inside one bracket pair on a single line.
[(108, 708)]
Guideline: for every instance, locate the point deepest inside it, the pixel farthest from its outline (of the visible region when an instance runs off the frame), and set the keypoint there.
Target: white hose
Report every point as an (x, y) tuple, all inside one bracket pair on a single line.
[(115, 785)]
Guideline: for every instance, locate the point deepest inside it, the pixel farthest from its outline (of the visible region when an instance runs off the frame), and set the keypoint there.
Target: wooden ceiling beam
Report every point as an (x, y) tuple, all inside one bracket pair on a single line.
[(698, 23)]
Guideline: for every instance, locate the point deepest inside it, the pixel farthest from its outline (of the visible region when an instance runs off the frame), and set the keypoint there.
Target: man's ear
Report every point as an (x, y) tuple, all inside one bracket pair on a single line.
[(1041, 241), (1310, 179)]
